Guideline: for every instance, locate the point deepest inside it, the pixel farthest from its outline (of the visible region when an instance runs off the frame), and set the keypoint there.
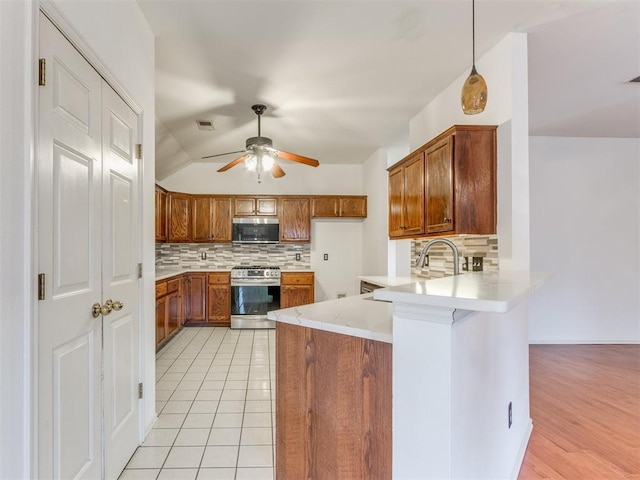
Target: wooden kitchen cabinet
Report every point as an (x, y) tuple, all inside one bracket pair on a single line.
[(211, 219), (406, 197), (295, 219), (473, 158), (252, 206), (458, 185), (439, 186), (196, 297), (326, 206), (161, 214), (179, 217), (169, 308), (296, 288), (219, 298)]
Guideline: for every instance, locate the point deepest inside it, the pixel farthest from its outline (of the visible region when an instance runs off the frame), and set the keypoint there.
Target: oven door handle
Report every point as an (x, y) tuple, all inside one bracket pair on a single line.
[(245, 282)]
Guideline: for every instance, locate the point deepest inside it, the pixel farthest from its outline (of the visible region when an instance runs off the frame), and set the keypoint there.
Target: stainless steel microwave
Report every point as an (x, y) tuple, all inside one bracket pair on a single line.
[(255, 230)]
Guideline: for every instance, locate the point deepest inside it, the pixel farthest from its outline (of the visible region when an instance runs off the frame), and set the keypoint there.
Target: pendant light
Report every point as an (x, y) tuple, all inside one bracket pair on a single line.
[(474, 90)]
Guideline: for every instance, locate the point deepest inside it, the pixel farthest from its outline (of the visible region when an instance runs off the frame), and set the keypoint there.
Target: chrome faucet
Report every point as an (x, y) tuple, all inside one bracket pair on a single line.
[(444, 241)]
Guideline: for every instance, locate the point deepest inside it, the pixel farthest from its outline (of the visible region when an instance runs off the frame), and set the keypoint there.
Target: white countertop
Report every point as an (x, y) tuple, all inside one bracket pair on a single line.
[(474, 291), (163, 273), (354, 316), (357, 316), (390, 281)]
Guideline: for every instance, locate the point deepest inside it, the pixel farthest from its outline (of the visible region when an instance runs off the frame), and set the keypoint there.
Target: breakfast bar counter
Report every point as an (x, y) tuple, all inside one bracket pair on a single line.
[(445, 361)]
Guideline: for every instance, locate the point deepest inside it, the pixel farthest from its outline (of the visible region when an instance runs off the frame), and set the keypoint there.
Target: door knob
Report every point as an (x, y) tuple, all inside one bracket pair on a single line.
[(117, 305), (97, 309)]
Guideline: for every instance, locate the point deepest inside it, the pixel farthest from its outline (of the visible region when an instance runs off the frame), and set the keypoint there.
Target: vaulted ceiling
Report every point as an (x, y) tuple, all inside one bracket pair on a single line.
[(343, 78)]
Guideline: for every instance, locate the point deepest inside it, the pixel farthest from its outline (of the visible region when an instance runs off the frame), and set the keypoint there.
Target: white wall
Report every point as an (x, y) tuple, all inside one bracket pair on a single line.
[(16, 129), (129, 58), (585, 228), (504, 68), (325, 179), (375, 237)]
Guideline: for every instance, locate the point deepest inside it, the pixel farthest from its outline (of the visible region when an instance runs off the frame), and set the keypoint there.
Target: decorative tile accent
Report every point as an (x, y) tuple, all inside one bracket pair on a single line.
[(226, 255), (441, 257)]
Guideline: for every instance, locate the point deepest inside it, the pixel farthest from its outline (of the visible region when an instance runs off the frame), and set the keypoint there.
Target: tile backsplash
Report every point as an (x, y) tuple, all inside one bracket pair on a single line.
[(441, 257), (226, 255)]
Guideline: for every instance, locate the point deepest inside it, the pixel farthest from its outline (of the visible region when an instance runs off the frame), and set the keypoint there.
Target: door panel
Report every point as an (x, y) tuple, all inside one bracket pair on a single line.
[(119, 281), (69, 231)]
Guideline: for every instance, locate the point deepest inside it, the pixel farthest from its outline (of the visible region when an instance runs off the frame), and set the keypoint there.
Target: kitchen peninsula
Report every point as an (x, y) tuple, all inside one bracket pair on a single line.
[(443, 361)]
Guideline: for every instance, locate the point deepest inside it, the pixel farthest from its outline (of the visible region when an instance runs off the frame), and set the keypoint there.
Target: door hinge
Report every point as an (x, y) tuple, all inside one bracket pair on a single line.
[(140, 390), (139, 270), (138, 151), (41, 286), (42, 72)]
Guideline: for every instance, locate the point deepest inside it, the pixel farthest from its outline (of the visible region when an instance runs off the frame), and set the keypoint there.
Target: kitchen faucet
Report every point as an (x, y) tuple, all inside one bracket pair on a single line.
[(444, 241)]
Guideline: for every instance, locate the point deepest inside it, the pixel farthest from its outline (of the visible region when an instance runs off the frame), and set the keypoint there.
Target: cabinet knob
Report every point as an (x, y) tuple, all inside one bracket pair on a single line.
[(447, 220)]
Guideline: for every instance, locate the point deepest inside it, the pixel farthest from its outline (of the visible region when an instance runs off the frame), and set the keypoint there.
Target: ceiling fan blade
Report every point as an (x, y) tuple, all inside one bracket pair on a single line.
[(277, 171), (222, 154), (232, 164), (298, 158)]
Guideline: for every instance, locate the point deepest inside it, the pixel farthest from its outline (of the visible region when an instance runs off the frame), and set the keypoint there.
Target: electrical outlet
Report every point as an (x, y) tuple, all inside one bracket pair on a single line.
[(465, 264), (476, 264), (297, 257), (203, 255), (510, 414), (326, 256), (341, 294)]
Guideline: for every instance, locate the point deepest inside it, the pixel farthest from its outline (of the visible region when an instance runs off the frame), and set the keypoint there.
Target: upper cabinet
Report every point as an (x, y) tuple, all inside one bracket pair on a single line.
[(185, 218), (326, 206), (458, 192), (295, 219), (250, 206), (179, 217), (211, 219), (406, 197), (161, 214)]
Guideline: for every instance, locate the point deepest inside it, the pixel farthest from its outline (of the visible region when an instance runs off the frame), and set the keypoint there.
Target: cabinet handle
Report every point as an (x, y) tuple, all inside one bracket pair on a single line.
[(447, 220)]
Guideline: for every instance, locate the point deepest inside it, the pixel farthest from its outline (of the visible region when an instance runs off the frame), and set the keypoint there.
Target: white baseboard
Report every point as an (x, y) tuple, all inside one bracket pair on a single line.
[(584, 342), (521, 451)]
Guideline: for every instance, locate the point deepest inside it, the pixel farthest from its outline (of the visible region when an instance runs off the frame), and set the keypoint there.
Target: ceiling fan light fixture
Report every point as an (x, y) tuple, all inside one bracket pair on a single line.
[(474, 91), (267, 162), (251, 163)]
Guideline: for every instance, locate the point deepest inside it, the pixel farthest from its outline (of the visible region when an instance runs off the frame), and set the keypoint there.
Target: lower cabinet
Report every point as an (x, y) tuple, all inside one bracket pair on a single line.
[(296, 288), (219, 299), (169, 308), (196, 297)]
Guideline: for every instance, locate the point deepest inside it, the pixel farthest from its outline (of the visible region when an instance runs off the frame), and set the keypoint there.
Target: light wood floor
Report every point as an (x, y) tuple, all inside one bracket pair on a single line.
[(585, 407)]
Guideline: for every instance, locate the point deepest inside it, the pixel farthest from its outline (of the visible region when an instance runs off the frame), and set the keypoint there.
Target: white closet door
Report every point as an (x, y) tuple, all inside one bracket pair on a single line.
[(88, 407), (69, 231), (120, 281)]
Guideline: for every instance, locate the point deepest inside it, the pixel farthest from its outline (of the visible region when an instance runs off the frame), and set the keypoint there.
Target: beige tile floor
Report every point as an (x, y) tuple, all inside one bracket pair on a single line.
[(215, 405)]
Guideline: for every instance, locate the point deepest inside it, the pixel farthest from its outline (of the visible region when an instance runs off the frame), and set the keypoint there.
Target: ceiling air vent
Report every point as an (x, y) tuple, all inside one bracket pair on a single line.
[(635, 80), (205, 125)]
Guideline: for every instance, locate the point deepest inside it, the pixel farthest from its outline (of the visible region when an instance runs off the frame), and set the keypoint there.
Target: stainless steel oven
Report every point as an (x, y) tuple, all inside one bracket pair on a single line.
[(255, 290)]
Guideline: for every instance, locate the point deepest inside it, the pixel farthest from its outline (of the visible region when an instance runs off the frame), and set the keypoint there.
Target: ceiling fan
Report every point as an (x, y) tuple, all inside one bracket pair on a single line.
[(259, 154)]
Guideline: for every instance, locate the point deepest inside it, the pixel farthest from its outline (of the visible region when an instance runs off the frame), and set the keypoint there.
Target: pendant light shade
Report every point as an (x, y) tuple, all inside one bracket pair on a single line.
[(474, 90)]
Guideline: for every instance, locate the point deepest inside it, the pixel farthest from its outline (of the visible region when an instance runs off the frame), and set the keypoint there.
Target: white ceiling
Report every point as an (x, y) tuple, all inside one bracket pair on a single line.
[(343, 78)]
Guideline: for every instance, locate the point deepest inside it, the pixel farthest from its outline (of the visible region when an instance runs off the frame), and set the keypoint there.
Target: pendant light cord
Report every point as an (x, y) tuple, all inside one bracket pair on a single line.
[(473, 31)]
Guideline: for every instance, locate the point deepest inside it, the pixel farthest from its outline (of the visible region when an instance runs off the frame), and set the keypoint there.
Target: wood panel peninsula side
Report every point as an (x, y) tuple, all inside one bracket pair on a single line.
[(424, 380)]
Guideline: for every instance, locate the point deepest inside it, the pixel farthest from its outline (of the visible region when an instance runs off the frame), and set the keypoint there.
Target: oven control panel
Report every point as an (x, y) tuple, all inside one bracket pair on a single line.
[(255, 272)]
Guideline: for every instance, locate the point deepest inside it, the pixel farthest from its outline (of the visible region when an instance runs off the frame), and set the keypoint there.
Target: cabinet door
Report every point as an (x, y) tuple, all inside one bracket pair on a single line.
[(413, 196), (179, 217), (295, 220), (244, 206), (295, 295), (161, 320), (439, 186), (266, 206), (196, 295), (353, 207), (221, 228), (219, 301), (201, 219), (396, 187), (326, 207), (161, 215), (173, 312)]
